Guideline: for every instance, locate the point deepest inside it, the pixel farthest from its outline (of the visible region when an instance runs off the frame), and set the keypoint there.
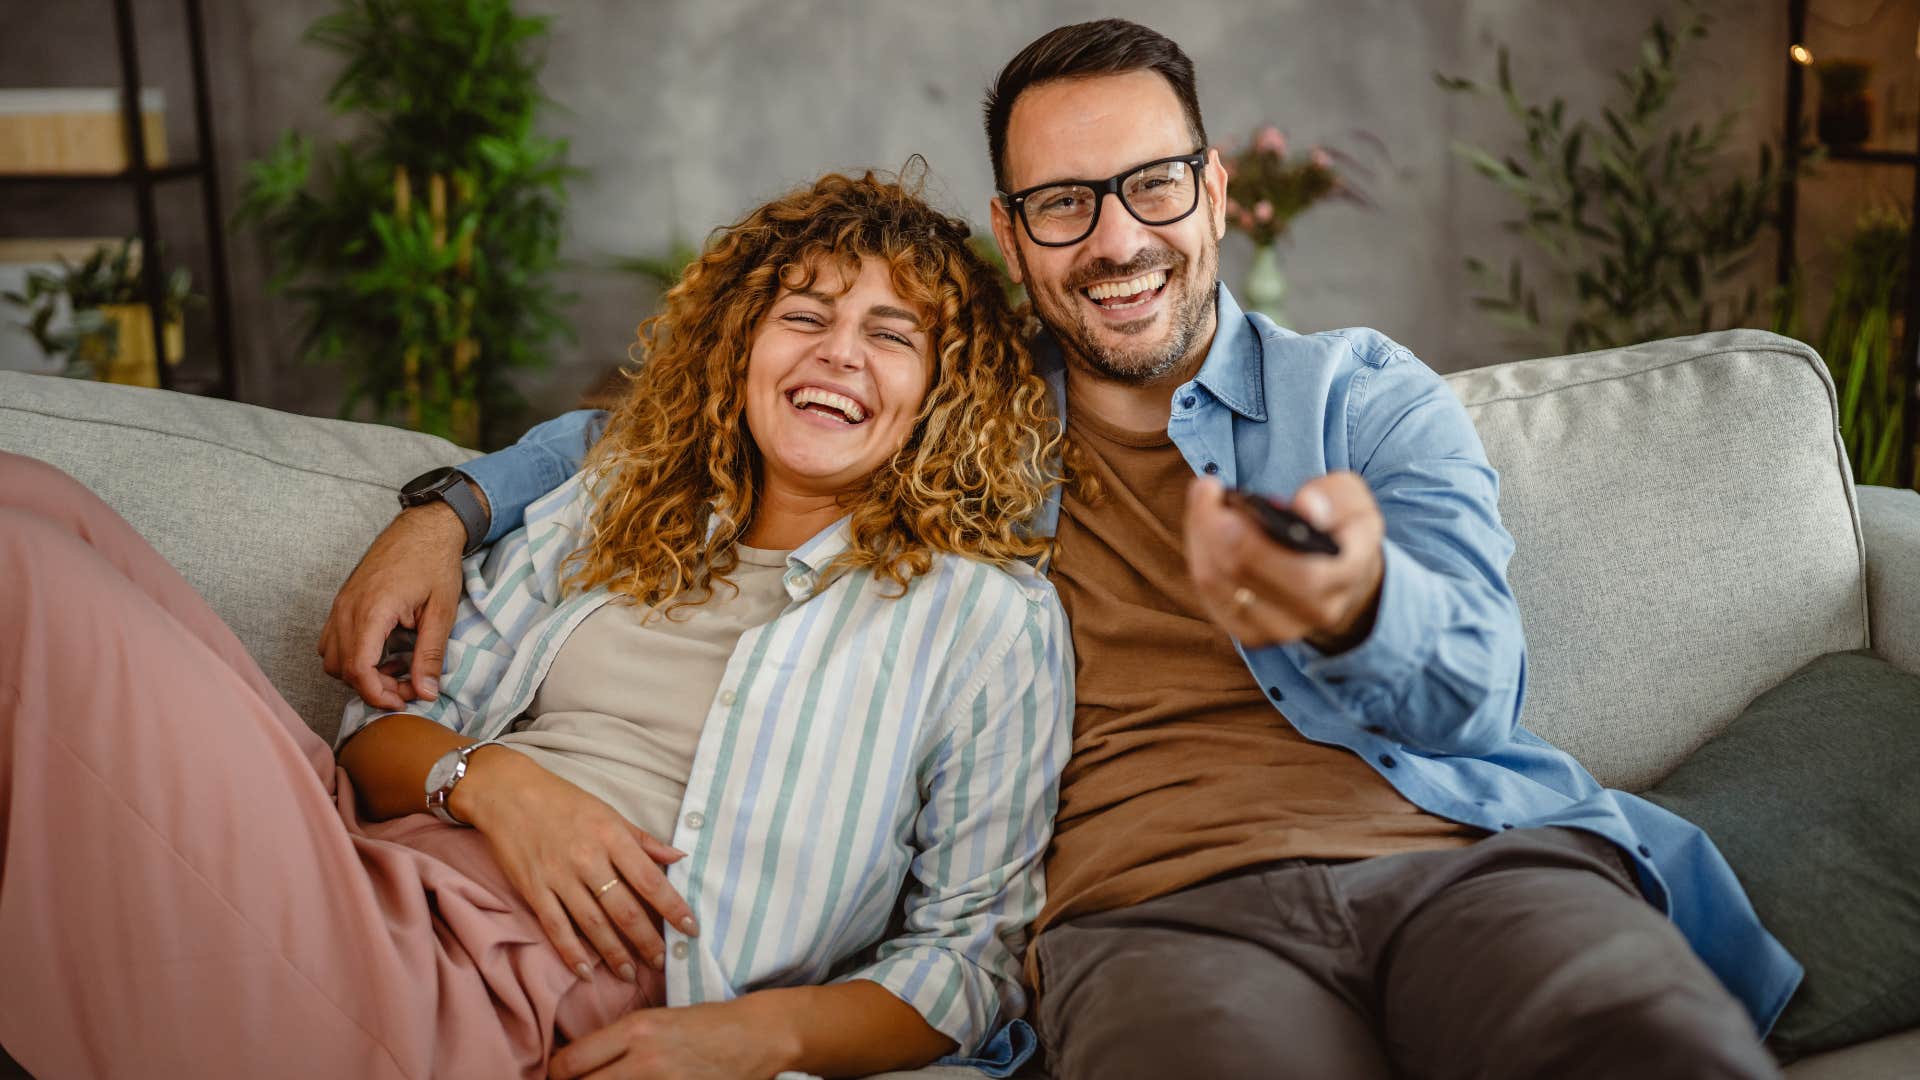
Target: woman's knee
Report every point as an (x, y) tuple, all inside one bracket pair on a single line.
[(27, 482)]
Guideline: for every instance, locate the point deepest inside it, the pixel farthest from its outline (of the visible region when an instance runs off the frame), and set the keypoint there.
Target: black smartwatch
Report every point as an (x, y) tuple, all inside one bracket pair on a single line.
[(452, 487)]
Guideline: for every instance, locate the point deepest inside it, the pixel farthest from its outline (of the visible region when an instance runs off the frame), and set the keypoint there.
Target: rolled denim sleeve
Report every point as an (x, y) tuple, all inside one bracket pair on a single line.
[(1444, 667), (541, 461)]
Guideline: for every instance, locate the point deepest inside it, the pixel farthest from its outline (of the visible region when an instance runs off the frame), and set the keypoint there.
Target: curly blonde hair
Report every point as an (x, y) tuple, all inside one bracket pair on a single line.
[(677, 457)]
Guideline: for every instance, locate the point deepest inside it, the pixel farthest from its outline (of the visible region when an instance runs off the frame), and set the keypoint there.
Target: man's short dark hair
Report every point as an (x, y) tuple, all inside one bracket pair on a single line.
[(1103, 47)]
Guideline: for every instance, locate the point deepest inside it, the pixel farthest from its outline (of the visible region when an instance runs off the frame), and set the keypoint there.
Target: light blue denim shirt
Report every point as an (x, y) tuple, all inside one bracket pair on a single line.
[(1432, 698)]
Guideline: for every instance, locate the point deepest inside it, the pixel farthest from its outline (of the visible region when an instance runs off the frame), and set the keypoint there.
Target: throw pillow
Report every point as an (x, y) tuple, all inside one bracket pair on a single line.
[(1810, 796)]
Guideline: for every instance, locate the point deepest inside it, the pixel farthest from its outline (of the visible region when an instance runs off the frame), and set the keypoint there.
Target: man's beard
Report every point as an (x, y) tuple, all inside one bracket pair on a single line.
[(1191, 310)]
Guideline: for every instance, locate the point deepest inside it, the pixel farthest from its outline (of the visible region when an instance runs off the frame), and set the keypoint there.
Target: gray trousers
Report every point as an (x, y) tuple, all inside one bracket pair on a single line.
[(1528, 954)]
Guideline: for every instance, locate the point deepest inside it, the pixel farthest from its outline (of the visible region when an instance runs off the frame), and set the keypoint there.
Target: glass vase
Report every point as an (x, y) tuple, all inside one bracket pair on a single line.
[(1266, 286)]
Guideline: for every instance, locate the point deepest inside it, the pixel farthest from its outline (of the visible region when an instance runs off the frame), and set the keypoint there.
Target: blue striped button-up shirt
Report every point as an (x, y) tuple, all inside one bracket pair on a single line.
[(874, 787)]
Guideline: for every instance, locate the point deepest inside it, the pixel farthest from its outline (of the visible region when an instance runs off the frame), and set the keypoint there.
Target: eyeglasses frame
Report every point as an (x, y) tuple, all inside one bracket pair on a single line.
[(1016, 203)]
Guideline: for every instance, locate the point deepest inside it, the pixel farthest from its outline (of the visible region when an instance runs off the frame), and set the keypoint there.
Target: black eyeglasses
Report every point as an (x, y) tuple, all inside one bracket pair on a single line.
[(1065, 212)]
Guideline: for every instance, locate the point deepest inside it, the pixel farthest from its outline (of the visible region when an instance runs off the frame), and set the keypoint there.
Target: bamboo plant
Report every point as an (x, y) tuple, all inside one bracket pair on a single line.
[(422, 249), (1641, 228)]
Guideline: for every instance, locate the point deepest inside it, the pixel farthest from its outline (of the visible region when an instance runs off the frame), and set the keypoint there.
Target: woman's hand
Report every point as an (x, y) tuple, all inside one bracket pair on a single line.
[(731, 1040), (579, 864)]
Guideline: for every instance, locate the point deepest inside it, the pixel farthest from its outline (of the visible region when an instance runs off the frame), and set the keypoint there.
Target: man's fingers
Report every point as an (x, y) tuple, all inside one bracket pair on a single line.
[(430, 648), (364, 675)]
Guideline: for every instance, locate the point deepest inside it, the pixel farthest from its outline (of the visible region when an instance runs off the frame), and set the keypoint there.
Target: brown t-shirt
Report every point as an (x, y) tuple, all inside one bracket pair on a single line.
[(1182, 769)]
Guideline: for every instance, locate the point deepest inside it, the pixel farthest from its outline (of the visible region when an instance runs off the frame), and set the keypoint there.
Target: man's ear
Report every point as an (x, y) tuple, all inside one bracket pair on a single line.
[(1214, 176), (1003, 226)]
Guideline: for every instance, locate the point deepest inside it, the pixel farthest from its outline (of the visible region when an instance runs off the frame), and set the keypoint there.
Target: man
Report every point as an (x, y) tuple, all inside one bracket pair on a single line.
[(1302, 832)]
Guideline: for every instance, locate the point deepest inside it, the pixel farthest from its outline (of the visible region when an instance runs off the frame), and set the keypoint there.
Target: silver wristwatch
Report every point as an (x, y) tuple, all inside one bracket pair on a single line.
[(441, 778)]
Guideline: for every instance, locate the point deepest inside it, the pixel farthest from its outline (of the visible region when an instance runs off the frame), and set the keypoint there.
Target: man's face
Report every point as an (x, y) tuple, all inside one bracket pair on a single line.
[(1090, 129)]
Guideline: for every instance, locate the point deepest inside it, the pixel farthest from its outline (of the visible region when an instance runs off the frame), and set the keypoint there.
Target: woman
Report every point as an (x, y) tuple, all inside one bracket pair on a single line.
[(769, 671)]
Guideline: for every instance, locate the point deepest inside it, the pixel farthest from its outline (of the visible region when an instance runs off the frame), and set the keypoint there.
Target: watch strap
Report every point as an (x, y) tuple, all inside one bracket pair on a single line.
[(457, 490)]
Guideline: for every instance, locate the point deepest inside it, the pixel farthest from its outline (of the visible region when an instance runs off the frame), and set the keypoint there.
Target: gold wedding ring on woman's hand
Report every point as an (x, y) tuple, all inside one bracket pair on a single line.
[(602, 890)]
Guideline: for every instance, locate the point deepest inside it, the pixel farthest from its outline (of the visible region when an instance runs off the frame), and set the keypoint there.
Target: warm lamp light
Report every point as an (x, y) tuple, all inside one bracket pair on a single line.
[(1801, 55)]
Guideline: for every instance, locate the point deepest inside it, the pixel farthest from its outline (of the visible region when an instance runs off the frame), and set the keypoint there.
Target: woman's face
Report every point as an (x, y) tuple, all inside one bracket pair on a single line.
[(836, 376)]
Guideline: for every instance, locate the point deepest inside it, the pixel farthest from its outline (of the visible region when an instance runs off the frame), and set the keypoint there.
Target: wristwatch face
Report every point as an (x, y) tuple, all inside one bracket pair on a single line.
[(441, 774), (427, 481)]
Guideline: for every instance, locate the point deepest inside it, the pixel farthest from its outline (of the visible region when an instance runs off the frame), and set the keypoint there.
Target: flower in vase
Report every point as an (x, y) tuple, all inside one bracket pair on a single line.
[(1267, 189)]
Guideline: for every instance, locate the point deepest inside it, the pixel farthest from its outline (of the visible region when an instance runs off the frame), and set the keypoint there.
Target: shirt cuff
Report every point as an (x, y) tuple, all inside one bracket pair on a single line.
[(1397, 647), (935, 982)]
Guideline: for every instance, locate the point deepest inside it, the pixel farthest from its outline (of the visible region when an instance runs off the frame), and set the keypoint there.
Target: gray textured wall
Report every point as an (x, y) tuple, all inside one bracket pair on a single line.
[(686, 113)]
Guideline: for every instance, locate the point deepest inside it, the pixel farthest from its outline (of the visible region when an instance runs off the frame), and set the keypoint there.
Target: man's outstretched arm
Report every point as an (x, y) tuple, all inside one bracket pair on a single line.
[(410, 575)]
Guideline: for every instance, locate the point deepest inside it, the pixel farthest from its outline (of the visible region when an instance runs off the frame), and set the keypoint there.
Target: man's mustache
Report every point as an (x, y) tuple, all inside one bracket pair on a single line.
[(1151, 258)]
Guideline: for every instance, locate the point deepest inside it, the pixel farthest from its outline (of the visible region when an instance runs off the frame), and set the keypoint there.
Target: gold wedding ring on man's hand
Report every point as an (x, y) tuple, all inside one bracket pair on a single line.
[(1242, 600), (602, 890)]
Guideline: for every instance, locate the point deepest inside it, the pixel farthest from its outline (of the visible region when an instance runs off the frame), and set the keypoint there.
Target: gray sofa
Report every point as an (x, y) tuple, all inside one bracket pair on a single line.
[(1687, 531)]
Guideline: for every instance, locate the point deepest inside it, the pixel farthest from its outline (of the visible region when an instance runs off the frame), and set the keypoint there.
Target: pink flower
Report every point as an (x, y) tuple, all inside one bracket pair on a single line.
[(1321, 158), (1245, 219), (1271, 141), (1263, 211)]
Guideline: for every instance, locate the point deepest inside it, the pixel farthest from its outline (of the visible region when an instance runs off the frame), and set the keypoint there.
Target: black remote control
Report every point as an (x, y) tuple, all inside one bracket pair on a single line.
[(1287, 528)]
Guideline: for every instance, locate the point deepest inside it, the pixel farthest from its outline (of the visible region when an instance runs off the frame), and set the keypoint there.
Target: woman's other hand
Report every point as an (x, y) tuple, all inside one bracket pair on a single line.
[(584, 869), (730, 1040)]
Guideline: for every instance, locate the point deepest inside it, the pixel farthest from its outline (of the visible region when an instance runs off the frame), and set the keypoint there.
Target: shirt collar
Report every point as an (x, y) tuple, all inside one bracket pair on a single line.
[(805, 563), (1233, 372)]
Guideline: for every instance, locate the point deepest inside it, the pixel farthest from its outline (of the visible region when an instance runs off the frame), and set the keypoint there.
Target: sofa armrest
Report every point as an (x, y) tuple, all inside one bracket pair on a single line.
[(1890, 519)]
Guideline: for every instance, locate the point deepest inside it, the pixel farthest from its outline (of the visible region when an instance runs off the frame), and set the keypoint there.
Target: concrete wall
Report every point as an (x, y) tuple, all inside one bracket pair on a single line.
[(687, 113)]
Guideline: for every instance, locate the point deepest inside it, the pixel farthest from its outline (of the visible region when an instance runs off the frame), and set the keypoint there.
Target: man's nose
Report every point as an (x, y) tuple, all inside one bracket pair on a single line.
[(1117, 235)]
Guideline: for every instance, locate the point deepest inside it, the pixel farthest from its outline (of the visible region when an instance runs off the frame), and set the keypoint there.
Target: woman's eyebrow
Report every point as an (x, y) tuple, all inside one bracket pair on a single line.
[(882, 311)]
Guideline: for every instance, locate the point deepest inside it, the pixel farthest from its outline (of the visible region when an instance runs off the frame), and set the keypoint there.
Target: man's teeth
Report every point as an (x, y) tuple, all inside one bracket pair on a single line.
[(1110, 290), (849, 409)]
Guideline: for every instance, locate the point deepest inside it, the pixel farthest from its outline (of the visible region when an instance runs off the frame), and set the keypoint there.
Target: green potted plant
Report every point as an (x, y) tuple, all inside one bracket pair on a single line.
[(422, 249), (1846, 104), (1642, 226), (110, 334)]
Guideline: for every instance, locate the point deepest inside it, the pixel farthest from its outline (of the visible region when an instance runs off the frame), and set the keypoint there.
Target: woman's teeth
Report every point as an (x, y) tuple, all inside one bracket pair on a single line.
[(848, 410), (1125, 294)]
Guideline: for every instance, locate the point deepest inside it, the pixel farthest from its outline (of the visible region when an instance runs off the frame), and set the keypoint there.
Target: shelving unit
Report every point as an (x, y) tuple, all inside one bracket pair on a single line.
[(1789, 217), (143, 180)]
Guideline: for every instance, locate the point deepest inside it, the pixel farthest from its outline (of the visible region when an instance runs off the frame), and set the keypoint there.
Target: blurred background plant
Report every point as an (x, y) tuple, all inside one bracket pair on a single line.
[(422, 248), (1860, 338), (106, 302), (1638, 234)]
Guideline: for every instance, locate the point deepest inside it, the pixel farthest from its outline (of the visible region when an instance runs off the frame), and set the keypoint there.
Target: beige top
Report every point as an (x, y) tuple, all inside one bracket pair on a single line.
[(623, 704)]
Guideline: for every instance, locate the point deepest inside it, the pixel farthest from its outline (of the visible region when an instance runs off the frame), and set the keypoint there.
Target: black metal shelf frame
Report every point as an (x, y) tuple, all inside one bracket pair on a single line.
[(1789, 211), (143, 179)]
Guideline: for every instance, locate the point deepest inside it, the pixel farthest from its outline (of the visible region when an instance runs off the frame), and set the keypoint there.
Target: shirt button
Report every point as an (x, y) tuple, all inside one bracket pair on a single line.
[(679, 950), (1275, 692), (696, 820), (1646, 851), (803, 581), (1375, 729), (1506, 825), (1387, 760), (727, 697), (1188, 401), (1211, 468)]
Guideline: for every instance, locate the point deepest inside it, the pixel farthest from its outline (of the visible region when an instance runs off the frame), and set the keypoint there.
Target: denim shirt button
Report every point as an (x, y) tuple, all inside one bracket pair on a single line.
[(1211, 468), (1387, 760), (1375, 729), (1274, 692), (1188, 402), (1506, 824), (1646, 851)]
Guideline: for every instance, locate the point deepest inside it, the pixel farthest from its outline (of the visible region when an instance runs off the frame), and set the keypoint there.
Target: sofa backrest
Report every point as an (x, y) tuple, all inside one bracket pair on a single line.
[(1685, 524), (264, 512), (1685, 531)]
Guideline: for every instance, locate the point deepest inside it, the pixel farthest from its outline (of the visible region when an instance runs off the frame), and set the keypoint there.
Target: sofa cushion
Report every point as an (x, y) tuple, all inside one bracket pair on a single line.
[(1809, 796), (1686, 536), (264, 512)]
